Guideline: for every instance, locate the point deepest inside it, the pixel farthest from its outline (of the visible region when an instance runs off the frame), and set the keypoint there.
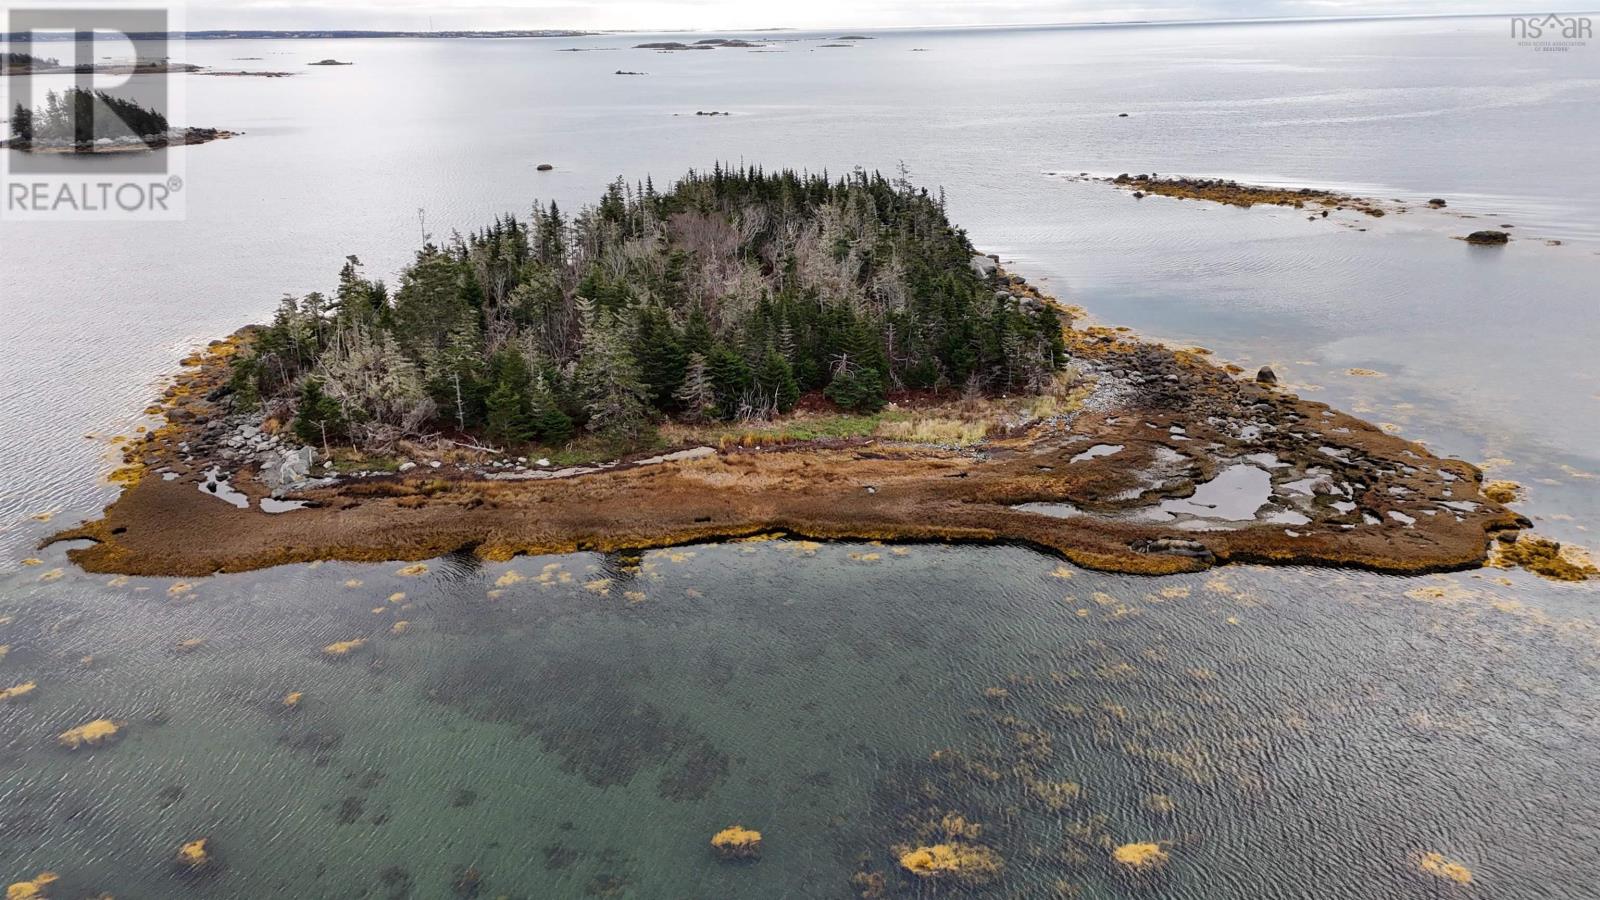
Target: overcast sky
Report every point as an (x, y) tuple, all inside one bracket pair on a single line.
[(405, 15)]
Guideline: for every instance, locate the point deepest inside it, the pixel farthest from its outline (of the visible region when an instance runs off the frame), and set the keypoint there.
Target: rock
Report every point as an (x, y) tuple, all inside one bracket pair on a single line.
[(1488, 237), (1266, 376), (984, 266), (545, 167), (1138, 195), (1437, 203), (737, 842), (296, 466), (1122, 115), (407, 466), (542, 462)]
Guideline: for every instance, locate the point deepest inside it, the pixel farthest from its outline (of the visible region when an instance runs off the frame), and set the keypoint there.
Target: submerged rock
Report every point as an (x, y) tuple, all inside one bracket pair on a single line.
[(970, 864), (1140, 857), (89, 734), (193, 856), (27, 890), (737, 842)]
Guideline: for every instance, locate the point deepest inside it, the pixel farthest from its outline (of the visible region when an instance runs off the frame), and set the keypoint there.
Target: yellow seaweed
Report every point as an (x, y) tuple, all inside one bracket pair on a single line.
[(292, 699), (737, 842), (28, 890), (17, 692), (400, 627), (193, 855), (413, 570), (344, 648), (1140, 857), (1503, 491), (967, 863), (89, 734), (1438, 866)]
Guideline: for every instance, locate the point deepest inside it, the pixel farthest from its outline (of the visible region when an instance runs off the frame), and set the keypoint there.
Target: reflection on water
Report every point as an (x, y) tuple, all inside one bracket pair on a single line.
[(573, 726)]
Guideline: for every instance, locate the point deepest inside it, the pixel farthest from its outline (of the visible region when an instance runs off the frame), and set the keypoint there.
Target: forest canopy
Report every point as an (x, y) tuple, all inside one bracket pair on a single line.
[(730, 296), (82, 116)]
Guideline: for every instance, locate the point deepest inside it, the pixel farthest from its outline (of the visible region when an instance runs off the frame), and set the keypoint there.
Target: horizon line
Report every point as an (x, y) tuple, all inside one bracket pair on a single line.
[(557, 31)]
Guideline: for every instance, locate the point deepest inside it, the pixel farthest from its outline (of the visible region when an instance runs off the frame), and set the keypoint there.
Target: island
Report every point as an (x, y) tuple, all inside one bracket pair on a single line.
[(67, 123), (25, 64), (747, 353), (330, 62)]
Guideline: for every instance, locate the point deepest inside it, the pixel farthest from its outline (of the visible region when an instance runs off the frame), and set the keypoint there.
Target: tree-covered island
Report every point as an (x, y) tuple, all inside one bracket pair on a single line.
[(80, 120), (742, 353), (729, 296)]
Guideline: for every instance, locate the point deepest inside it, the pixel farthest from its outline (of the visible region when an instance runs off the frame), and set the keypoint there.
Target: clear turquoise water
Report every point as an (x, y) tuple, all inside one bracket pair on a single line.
[(1353, 721), (1316, 732)]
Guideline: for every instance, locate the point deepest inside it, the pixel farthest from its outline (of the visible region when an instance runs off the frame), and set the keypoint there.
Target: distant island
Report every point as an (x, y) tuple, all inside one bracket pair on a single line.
[(751, 352), (19, 64), (703, 44), (299, 35), (67, 123), (330, 62)]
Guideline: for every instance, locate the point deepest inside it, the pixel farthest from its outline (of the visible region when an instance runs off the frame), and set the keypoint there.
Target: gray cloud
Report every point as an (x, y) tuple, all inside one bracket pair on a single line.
[(736, 14)]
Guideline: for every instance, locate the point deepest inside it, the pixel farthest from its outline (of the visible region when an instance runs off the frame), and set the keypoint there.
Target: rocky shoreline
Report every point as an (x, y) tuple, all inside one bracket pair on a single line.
[(177, 137), (1169, 464)]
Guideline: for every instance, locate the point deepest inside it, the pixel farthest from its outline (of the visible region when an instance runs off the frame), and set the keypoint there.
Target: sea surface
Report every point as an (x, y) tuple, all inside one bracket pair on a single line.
[(580, 726)]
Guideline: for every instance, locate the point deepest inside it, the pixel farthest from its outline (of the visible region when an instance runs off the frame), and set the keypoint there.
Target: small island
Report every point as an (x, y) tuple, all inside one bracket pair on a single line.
[(68, 123), (330, 62), (25, 64), (751, 352), (1232, 193)]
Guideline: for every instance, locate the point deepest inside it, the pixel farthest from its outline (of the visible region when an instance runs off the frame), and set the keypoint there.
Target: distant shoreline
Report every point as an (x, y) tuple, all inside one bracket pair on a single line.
[(356, 34)]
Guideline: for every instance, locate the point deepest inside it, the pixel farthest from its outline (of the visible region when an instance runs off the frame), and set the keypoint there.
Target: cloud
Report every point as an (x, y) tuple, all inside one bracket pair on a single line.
[(748, 14)]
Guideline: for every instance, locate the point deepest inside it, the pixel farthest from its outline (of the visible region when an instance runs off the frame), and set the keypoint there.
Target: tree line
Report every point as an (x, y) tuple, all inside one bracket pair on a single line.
[(729, 296), (72, 117)]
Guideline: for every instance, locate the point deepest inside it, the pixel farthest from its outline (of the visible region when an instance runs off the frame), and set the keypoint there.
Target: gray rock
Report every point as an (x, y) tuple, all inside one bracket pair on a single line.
[(1266, 376), (984, 266), (407, 466)]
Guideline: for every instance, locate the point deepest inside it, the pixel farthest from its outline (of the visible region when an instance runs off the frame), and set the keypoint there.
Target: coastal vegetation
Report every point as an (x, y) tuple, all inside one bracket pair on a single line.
[(23, 62), (72, 117), (734, 296)]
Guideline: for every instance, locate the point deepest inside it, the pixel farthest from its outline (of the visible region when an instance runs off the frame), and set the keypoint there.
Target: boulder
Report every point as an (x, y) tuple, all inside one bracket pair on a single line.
[(291, 468), (1488, 237), (1437, 203), (984, 266), (1266, 376)]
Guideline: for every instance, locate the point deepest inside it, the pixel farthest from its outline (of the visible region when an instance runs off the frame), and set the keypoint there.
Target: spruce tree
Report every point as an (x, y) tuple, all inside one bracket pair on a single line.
[(696, 397)]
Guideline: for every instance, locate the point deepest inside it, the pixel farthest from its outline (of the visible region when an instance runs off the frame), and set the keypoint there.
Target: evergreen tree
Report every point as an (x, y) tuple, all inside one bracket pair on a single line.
[(777, 382), (509, 414), (614, 395), (318, 420), (22, 124), (696, 396)]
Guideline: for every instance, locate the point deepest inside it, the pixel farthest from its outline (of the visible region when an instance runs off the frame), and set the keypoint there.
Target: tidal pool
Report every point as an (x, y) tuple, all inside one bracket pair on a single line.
[(581, 725)]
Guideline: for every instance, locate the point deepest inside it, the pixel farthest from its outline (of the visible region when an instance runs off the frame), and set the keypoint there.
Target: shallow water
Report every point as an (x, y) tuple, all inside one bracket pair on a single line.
[(1315, 731), (585, 719)]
